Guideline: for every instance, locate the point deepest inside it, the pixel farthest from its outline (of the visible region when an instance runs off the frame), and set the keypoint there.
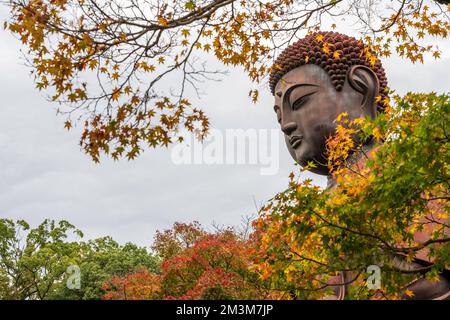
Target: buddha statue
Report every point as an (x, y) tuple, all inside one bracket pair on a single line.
[(312, 87)]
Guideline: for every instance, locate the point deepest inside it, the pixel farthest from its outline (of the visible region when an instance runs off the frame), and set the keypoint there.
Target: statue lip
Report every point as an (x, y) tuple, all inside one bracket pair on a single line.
[(295, 141)]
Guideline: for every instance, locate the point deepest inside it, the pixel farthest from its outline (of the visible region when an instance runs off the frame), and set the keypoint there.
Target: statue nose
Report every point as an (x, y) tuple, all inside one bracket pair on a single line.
[(288, 127)]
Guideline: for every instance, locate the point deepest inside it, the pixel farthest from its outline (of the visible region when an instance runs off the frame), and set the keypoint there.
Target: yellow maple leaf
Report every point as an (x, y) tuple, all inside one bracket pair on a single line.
[(326, 49), (319, 38), (336, 55), (185, 33), (163, 21), (436, 54), (306, 59), (341, 115), (115, 95), (377, 134), (409, 293), (92, 64)]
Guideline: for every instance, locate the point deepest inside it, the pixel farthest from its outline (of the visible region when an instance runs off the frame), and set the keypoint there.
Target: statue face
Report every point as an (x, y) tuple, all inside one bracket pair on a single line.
[(307, 104)]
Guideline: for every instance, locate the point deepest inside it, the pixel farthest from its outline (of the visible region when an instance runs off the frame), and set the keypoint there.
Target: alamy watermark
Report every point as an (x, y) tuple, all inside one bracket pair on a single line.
[(74, 280), (232, 147), (374, 280)]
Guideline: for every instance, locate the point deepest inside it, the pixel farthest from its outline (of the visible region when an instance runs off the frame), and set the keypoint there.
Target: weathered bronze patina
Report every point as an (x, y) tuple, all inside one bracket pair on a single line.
[(311, 88)]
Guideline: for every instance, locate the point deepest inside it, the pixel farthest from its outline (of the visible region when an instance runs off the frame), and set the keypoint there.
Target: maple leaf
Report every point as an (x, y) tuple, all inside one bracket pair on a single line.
[(185, 33), (68, 125), (436, 55), (115, 95), (341, 115), (409, 293), (163, 21), (127, 90), (190, 5), (92, 64), (336, 55), (377, 134)]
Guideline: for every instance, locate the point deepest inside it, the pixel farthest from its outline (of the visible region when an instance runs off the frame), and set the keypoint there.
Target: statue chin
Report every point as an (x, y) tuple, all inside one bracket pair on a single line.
[(303, 156), (305, 153)]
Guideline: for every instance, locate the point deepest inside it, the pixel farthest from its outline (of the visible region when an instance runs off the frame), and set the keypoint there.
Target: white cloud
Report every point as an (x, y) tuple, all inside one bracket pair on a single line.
[(44, 174)]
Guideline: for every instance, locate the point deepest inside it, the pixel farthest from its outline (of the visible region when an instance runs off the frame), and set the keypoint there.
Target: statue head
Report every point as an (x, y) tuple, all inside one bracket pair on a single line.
[(316, 79)]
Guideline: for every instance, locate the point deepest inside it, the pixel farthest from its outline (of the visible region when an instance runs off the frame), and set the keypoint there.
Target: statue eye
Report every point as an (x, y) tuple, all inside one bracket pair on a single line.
[(301, 101), (278, 115)]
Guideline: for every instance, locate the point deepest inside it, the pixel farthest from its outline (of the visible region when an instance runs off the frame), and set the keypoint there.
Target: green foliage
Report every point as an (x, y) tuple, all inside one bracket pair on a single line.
[(34, 262), (102, 258), (31, 265), (392, 202)]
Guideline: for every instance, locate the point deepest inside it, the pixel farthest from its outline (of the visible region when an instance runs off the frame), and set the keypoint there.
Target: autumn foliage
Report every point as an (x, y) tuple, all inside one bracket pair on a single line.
[(197, 265), (141, 285), (393, 201), (105, 65), (105, 62)]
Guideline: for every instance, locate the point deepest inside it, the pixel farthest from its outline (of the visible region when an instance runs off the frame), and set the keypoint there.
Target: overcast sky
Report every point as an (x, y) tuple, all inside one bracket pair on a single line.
[(44, 174)]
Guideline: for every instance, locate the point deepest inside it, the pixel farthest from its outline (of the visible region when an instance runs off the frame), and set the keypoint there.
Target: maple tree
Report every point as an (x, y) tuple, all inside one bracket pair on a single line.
[(170, 242), (142, 285), (205, 265), (215, 266), (373, 213), (107, 65), (105, 62)]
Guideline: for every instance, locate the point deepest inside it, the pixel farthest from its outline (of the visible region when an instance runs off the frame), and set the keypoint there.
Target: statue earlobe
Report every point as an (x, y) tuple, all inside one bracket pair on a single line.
[(365, 81)]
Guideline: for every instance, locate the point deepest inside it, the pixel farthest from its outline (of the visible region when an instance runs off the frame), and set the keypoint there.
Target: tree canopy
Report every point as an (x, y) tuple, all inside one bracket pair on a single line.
[(105, 62), (375, 212), (35, 262)]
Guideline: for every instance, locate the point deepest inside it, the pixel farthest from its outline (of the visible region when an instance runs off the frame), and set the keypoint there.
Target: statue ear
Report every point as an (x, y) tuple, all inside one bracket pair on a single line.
[(365, 81)]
